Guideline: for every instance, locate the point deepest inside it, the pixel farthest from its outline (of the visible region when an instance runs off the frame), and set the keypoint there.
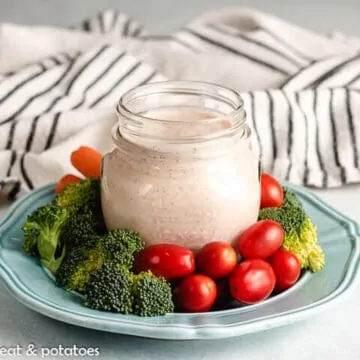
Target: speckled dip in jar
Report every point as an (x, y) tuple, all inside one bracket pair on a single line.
[(182, 170)]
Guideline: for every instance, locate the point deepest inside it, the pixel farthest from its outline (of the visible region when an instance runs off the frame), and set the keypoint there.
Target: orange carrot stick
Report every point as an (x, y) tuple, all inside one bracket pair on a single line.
[(65, 181), (87, 161)]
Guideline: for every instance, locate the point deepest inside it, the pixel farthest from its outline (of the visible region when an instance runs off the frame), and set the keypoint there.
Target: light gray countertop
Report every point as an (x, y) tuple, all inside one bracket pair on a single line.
[(329, 335)]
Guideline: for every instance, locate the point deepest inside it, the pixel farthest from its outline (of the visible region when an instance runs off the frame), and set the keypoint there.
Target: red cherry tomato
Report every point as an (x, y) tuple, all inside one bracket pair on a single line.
[(195, 293), (216, 259), (252, 281), (261, 240), (168, 260), (286, 266), (272, 194)]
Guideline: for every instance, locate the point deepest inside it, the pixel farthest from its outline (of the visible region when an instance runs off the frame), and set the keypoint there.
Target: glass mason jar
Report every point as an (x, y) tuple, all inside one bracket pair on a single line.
[(182, 170)]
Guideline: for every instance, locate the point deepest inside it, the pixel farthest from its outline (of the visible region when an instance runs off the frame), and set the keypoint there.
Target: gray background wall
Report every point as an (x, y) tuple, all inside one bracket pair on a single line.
[(160, 16)]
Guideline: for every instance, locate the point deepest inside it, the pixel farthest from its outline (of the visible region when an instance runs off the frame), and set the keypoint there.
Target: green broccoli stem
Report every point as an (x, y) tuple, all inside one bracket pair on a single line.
[(54, 265)]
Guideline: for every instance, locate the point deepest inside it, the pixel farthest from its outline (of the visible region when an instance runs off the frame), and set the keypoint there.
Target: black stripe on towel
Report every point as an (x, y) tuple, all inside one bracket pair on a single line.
[(86, 25), (174, 38), (97, 79), (317, 142), (125, 31), (237, 52), (21, 84), (335, 137), (147, 79), (354, 80), (55, 120), (258, 43), (24, 173), (137, 31), (306, 124), (272, 126), (12, 162), (184, 44), (296, 75), (68, 57), (253, 115), (35, 120), (31, 134), (117, 83), (11, 136), (29, 101), (331, 72), (8, 73), (289, 46), (289, 136), (55, 60), (157, 37), (350, 118), (52, 132), (100, 18), (86, 65), (68, 69), (55, 100)]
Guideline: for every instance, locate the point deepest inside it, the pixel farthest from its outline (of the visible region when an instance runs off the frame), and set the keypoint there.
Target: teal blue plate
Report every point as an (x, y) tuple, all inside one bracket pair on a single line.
[(28, 283)]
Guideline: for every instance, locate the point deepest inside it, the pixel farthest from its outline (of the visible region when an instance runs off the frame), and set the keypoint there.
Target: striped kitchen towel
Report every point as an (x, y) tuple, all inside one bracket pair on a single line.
[(58, 89)]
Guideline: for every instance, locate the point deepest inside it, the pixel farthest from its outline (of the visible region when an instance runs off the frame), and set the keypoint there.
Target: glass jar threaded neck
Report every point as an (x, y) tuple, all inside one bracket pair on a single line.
[(180, 112)]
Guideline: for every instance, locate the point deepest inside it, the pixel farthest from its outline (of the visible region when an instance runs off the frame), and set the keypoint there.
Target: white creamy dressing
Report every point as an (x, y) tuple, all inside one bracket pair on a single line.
[(185, 201)]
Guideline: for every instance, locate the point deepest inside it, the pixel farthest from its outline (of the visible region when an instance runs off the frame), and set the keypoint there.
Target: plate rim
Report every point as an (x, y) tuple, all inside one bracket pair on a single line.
[(172, 331)]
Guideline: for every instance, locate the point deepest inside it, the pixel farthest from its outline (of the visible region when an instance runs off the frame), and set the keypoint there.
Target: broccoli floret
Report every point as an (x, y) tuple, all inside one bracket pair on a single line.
[(304, 244), (84, 198), (79, 229), (290, 215), (152, 295), (85, 193), (122, 246), (115, 288), (118, 247), (81, 196), (300, 232), (109, 289), (42, 231), (77, 265)]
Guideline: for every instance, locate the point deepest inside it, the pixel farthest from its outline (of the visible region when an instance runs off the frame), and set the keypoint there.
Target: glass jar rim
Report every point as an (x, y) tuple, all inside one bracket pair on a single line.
[(132, 122), (201, 87)]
